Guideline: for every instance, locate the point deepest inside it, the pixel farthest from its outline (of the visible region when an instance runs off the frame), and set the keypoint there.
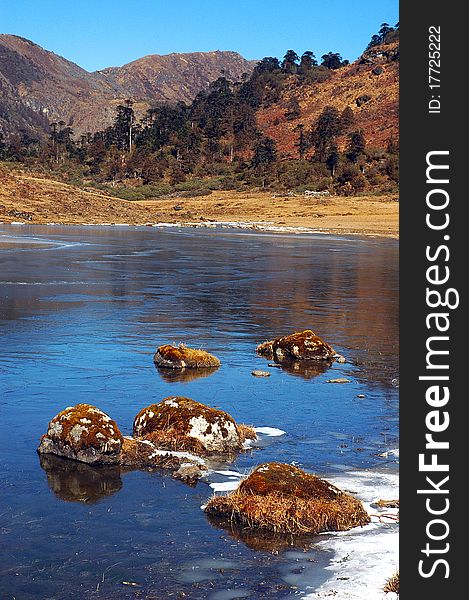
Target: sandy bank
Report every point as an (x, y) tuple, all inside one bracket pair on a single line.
[(36, 200)]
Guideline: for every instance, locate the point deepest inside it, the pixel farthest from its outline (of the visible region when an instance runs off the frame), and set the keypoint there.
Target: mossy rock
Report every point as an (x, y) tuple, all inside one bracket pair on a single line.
[(182, 357), (214, 430), (285, 499), (287, 480), (83, 433), (303, 345)]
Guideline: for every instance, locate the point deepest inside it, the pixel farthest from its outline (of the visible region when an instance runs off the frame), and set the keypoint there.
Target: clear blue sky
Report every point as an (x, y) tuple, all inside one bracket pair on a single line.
[(102, 33)]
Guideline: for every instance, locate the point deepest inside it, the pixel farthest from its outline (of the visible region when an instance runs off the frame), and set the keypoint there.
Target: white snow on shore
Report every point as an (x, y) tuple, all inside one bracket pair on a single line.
[(364, 557)]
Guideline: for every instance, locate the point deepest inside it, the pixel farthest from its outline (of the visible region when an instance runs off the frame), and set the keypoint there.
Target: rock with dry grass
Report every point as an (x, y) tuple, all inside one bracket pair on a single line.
[(303, 345), (284, 499), (144, 454), (83, 433), (179, 423), (182, 357)]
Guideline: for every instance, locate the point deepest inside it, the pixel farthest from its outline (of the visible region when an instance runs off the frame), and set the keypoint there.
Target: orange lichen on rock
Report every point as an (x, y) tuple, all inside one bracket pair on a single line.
[(182, 357), (178, 416), (265, 349), (285, 499), (304, 345), (84, 433)]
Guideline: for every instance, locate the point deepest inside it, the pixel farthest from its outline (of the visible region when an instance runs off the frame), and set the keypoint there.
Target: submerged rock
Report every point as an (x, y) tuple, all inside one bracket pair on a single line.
[(304, 345), (284, 499), (189, 473), (182, 357), (259, 373), (183, 423), (83, 433)]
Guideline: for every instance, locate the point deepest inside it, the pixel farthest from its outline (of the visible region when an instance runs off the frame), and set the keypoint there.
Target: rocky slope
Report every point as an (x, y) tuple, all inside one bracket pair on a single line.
[(38, 86)]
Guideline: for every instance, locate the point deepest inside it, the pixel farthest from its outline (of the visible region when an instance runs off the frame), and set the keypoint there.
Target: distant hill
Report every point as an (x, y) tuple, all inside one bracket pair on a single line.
[(38, 86)]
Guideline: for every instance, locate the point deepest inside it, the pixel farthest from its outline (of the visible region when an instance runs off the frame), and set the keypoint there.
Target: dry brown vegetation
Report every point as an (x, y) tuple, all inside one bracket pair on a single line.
[(38, 200), (388, 503), (377, 117), (392, 585), (245, 432)]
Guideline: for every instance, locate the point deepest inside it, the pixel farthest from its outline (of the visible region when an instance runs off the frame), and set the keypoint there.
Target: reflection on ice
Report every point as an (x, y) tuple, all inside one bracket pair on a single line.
[(184, 375), (258, 539), (73, 481)]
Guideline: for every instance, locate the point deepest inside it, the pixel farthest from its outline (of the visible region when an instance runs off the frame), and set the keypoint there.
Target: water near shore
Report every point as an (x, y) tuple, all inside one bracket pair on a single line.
[(81, 312)]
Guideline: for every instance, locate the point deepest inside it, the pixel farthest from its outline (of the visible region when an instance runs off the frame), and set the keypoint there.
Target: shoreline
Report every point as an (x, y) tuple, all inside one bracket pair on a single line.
[(29, 200), (257, 226)]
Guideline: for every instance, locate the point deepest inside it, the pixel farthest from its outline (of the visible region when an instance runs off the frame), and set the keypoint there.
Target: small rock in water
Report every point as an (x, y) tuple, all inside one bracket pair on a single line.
[(303, 345), (338, 380), (274, 365), (188, 473), (360, 395), (258, 373), (341, 360)]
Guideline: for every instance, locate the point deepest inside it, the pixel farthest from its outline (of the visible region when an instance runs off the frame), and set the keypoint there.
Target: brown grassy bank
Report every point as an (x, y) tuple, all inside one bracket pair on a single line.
[(38, 200)]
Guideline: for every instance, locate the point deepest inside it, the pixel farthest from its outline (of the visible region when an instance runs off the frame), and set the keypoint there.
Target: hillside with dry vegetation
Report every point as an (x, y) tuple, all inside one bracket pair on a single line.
[(369, 87), (284, 127)]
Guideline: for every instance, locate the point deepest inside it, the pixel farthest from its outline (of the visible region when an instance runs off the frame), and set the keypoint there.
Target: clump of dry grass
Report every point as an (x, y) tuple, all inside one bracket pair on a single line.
[(388, 503), (138, 454), (392, 585), (183, 357), (284, 499), (246, 432)]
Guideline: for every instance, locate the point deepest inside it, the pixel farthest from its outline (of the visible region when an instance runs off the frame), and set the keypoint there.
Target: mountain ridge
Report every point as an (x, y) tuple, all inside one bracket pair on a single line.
[(56, 88)]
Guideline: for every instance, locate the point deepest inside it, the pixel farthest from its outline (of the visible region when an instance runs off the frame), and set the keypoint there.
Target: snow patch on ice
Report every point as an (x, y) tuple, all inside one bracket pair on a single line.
[(190, 457), (224, 486), (365, 557), (270, 431)]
